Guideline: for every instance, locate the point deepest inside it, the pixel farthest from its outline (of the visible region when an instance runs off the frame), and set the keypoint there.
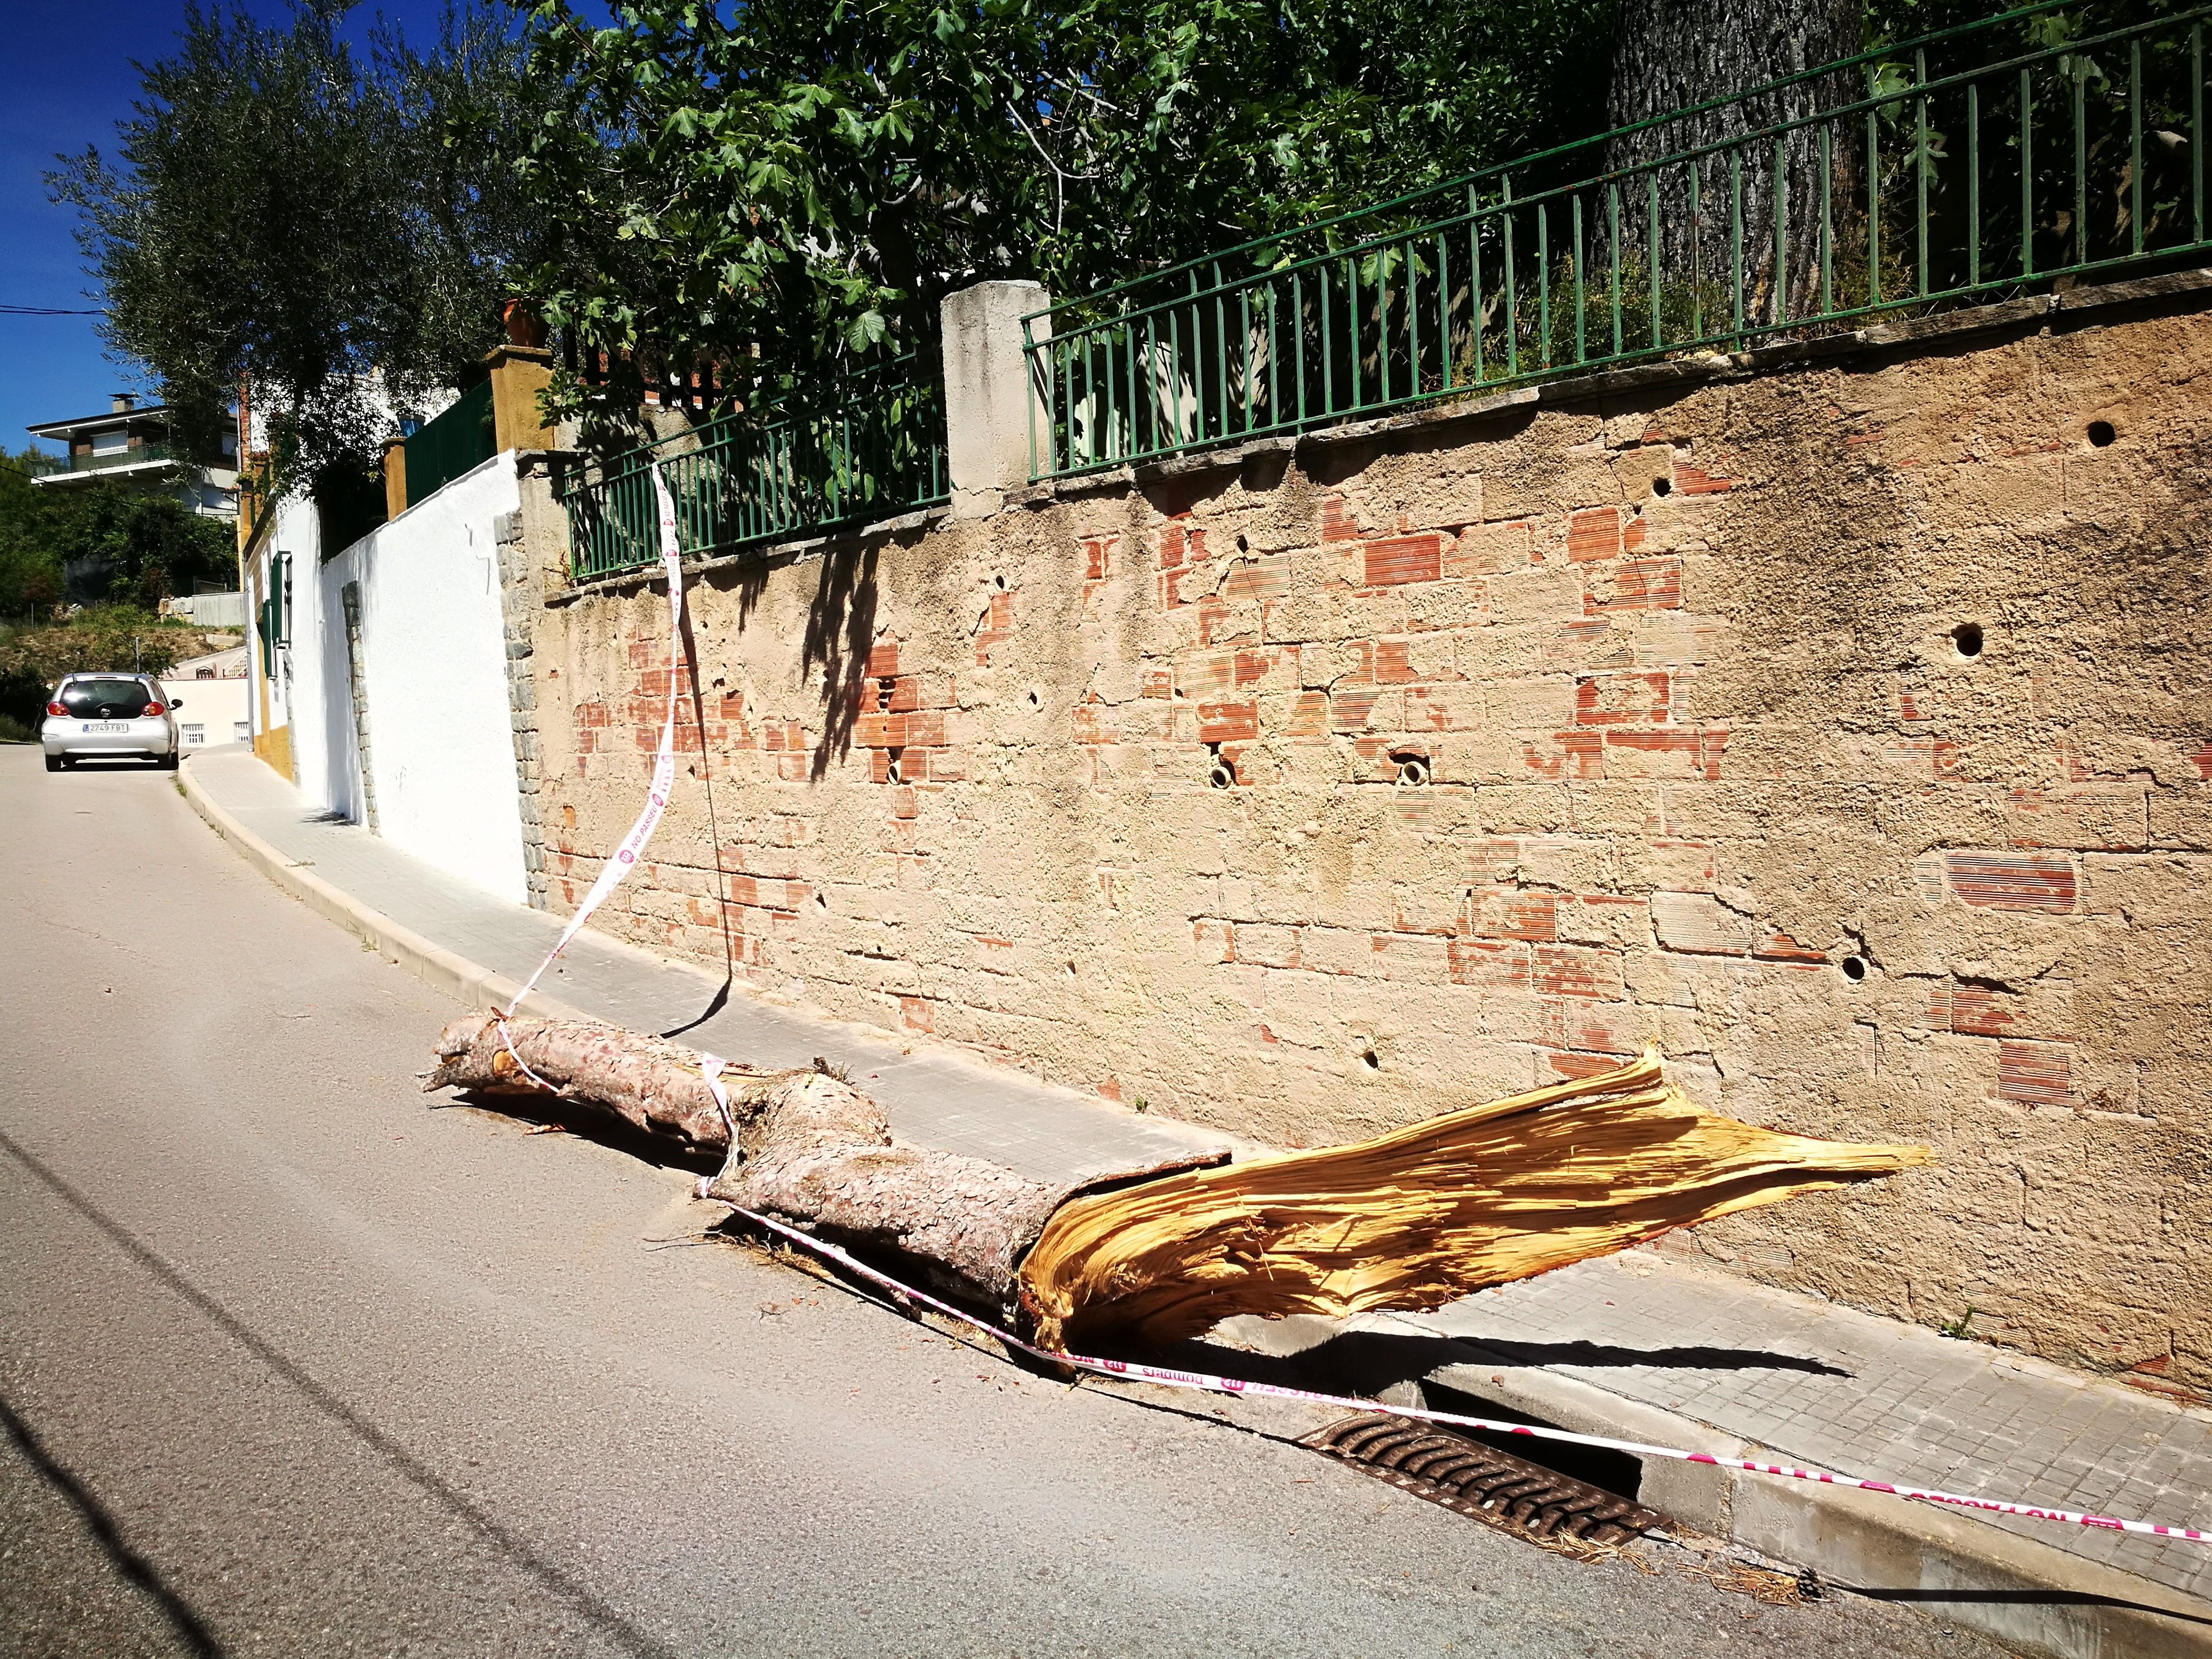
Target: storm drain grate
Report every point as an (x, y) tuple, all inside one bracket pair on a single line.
[(1482, 1481)]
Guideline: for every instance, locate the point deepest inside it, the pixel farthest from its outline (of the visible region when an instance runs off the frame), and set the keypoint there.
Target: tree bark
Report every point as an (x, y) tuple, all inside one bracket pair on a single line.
[(1669, 55), (1409, 1220)]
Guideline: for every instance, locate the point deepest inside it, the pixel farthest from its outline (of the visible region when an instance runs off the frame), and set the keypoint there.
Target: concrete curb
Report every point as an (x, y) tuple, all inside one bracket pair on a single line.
[(2022, 1591), (475, 985), (2025, 1592)]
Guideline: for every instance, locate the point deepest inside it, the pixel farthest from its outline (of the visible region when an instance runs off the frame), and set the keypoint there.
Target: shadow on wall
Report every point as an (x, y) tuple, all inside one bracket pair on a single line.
[(841, 626)]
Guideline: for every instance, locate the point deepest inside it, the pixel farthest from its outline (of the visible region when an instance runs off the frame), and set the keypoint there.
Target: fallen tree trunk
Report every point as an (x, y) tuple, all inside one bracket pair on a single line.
[(1409, 1220)]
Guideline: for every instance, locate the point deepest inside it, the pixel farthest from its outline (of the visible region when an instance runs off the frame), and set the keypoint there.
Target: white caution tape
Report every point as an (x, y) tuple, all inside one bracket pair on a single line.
[(664, 776), (1207, 1383)]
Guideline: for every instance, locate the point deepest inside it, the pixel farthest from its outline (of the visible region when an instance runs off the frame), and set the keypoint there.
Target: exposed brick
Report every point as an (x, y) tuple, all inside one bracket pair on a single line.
[(1395, 559), (1578, 755), (1622, 699), (2014, 881), (1780, 947), (1665, 754), (884, 661), (2035, 1073), (914, 1013), (1594, 533), (1492, 964), (1635, 584), (1574, 970), (1691, 481), (1228, 722), (1514, 912)]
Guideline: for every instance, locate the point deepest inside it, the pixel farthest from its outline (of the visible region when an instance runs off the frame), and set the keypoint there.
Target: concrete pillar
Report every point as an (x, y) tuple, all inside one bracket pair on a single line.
[(519, 373), (993, 409), (395, 478)]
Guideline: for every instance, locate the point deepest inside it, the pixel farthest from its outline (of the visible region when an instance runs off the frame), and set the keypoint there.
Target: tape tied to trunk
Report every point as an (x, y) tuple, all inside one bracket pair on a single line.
[(1137, 1371), (656, 798)]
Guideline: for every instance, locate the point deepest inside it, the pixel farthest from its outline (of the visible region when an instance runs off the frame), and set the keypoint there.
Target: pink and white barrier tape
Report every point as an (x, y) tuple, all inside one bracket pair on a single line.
[(664, 772), (1204, 1382)]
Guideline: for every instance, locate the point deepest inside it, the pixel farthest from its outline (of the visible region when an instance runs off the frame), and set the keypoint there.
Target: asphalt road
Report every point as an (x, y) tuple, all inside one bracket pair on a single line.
[(295, 1360)]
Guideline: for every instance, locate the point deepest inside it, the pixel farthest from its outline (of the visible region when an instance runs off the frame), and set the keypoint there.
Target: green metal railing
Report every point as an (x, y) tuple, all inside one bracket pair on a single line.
[(1989, 159), (458, 440), (876, 451)]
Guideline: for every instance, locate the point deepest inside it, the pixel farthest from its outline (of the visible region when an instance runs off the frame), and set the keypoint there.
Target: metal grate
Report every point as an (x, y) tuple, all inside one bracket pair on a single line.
[(1484, 1482)]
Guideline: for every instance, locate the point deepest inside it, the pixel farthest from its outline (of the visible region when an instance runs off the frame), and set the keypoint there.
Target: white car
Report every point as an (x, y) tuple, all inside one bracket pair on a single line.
[(98, 716)]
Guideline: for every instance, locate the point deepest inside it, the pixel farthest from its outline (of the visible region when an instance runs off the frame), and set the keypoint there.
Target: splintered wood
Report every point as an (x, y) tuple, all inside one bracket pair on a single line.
[(1409, 1220), (1419, 1216)]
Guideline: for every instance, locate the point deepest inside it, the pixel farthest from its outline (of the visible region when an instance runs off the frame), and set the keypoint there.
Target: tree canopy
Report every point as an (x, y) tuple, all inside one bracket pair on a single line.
[(150, 545), (330, 230), (794, 184)]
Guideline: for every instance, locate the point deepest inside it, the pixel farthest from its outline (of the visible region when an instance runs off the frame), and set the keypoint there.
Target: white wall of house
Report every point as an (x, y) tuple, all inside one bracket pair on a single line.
[(216, 707), (441, 745), (434, 673)]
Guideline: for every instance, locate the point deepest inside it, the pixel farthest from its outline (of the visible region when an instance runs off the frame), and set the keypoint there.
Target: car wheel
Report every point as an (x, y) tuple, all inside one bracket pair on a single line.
[(168, 762), (53, 763)]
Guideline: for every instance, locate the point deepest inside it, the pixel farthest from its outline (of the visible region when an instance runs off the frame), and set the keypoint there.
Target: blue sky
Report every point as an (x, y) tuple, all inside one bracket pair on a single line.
[(65, 80)]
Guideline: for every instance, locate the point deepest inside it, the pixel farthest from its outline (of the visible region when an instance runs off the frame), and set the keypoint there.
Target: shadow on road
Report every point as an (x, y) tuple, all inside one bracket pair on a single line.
[(191, 1630), (605, 1618)]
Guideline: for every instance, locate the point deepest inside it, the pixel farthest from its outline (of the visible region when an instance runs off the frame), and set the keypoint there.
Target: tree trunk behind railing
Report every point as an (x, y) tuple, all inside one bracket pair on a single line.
[(1671, 54)]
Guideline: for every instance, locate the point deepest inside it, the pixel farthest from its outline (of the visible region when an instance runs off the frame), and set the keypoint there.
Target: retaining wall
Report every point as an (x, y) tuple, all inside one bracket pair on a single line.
[(1841, 729)]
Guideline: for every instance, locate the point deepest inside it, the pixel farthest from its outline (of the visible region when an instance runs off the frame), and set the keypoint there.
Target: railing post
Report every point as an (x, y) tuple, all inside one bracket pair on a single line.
[(395, 478), (991, 397), (519, 373)]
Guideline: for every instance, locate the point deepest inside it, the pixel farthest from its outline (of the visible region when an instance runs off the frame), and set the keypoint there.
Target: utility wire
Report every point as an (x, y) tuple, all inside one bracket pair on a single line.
[(49, 311)]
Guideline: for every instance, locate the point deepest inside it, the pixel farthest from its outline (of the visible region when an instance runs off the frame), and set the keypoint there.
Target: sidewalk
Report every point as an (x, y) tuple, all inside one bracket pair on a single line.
[(1637, 1347)]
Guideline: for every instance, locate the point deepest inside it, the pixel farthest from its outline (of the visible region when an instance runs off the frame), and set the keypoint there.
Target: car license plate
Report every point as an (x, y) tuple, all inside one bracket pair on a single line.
[(107, 726)]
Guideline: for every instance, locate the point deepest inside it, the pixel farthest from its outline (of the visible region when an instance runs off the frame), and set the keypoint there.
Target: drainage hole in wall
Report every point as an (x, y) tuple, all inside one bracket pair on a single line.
[(1035, 701), (1222, 774), (822, 900), (1001, 581), (1412, 770), (1854, 968), (1243, 544), (2101, 434), (1966, 637), (891, 764), (1663, 486)]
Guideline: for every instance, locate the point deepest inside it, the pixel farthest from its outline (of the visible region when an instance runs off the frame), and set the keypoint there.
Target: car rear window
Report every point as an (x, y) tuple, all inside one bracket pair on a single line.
[(104, 700)]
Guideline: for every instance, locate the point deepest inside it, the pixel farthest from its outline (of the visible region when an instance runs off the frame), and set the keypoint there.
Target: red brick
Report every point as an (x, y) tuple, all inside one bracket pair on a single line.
[(2202, 758), (1690, 481), (1349, 710), (1310, 715), (1397, 559), (915, 1014), (1594, 533), (884, 661), (1580, 755), (1261, 579), (1512, 912), (2035, 1073), (1572, 1066), (1780, 947), (1622, 699), (1334, 526), (1171, 547), (2014, 881), (1692, 754), (1491, 963), (1969, 1009), (1097, 556), (1228, 722), (1636, 585), (1569, 970)]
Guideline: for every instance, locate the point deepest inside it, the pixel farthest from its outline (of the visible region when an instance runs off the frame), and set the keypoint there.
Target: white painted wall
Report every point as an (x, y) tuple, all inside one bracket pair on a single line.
[(215, 705), (434, 672)]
